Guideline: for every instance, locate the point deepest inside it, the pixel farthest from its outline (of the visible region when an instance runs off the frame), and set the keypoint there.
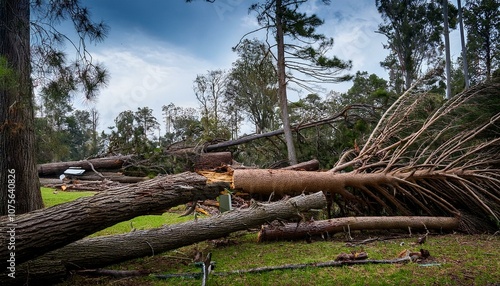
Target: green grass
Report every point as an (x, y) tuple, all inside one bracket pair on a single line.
[(460, 259), (53, 197)]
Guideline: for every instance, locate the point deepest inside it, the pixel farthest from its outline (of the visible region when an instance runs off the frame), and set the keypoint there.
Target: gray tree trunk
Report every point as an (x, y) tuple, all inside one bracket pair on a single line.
[(20, 189), (447, 50), (464, 48), (57, 168), (292, 231), (280, 42)]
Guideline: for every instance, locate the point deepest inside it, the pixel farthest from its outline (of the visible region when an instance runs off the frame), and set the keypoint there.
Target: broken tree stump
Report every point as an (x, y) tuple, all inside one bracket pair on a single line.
[(292, 231)]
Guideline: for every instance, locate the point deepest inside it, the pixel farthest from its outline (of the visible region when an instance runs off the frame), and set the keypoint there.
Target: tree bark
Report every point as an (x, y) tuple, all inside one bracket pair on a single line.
[(292, 182), (44, 230), (209, 161), (18, 180), (111, 176), (114, 162), (291, 231), (101, 251)]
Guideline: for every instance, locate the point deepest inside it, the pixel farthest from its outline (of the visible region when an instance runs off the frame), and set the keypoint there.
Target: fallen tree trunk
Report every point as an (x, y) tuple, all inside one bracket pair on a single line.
[(311, 165), (342, 115), (292, 231), (197, 275), (101, 251), (292, 182), (114, 162), (44, 230), (115, 177)]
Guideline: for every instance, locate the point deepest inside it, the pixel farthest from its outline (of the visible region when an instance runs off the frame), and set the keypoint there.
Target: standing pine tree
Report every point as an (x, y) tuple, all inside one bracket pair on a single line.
[(300, 52)]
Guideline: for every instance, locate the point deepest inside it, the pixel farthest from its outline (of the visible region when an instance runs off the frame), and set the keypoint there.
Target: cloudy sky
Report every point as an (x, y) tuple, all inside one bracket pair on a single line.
[(155, 48)]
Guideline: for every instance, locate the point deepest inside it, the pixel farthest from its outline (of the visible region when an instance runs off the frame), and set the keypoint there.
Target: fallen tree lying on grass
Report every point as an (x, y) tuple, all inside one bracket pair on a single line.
[(446, 164), (419, 160), (41, 231), (101, 251), (291, 231), (113, 162), (198, 275)]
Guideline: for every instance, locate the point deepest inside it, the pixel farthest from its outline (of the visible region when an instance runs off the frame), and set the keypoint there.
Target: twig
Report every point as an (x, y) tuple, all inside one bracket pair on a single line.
[(331, 263)]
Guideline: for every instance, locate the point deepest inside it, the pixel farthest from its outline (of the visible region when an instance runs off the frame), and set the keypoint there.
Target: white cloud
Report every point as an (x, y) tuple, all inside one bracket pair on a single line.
[(150, 74), (356, 40)]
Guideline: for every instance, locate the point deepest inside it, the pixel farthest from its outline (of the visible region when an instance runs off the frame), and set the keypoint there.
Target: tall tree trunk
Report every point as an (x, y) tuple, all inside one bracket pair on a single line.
[(447, 49), (18, 175), (280, 42), (462, 42)]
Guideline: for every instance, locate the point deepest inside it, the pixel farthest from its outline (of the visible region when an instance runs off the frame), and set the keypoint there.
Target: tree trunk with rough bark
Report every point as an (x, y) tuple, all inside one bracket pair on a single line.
[(18, 177), (110, 176), (44, 230), (291, 231), (101, 251), (209, 161), (57, 168)]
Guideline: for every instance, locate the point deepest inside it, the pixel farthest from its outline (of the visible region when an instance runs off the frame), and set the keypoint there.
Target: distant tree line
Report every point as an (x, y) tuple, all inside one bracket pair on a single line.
[(245, 98)]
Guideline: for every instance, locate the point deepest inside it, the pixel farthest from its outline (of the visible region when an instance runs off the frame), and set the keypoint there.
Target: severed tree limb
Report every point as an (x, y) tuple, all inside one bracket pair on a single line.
[(112, 273), (292, 231), (41, 231), (197, 275), (335, 118), (106, 250), (331, 263)]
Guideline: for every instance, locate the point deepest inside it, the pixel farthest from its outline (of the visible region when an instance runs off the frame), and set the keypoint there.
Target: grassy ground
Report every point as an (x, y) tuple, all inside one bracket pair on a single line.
[(456, 259)]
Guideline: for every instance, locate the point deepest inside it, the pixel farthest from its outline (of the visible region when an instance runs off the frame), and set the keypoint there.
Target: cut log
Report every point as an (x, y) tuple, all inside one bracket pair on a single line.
[(47, 229), (114, 162), (292, 182), (292, 231), (209, 161), (115, 177), (101, 251)]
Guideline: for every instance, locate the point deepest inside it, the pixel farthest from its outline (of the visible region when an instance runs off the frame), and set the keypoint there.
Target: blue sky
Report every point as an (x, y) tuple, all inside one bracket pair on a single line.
[(155, 48)]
